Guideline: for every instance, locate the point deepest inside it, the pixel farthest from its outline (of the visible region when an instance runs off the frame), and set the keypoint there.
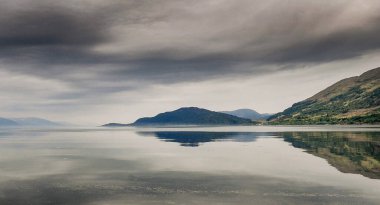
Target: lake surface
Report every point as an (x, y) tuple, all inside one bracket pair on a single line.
[(191, 165)]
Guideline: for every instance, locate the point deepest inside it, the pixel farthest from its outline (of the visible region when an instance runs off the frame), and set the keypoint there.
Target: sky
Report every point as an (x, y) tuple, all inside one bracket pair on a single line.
[(91, 62)]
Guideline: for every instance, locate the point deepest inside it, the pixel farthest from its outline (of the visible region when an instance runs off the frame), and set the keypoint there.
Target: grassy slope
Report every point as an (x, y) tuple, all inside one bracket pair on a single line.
[(193, 116), (354, 100)]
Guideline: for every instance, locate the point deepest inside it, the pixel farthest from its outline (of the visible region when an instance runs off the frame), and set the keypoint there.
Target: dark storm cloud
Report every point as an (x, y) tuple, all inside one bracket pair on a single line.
[(48, 23), (44, 33), (49, 27), (83, 42), (340, 45)]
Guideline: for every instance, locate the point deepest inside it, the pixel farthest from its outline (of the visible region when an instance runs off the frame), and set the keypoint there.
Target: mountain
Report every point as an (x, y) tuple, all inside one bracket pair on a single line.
[(354, 100), (188, 116), (32, 121), (27, 122), (7, 122), (248, 114), (113, 124)]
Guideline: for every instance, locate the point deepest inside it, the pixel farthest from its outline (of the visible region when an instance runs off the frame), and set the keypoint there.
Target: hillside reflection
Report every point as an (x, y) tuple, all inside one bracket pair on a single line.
[(348, 152), (195, 139)]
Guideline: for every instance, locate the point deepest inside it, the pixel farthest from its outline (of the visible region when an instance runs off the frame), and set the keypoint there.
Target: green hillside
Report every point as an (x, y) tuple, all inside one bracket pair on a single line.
[(187, 116), (354, 100), (192, 116)]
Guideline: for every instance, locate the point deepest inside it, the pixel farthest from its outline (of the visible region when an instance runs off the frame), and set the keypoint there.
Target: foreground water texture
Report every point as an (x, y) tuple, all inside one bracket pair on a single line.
[(203, 165)]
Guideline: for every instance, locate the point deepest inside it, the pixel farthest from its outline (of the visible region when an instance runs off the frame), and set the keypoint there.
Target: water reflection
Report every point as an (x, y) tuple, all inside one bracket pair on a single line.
[(127, 167), (348, 152), (194, 139)]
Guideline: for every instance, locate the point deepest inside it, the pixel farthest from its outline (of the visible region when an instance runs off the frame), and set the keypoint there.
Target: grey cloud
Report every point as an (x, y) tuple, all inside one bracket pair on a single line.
[(49, 27), (86, 42), (340, 45)]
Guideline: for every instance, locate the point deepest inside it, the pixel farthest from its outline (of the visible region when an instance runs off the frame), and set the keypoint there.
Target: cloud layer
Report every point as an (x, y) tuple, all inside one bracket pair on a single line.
[(94, 47)]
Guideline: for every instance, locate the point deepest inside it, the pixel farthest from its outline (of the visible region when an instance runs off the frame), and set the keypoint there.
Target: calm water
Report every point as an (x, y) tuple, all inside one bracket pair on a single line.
[(203, 165)]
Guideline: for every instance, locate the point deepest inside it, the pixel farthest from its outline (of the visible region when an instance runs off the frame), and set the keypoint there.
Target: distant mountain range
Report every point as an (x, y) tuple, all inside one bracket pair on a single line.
[(248, 114), (27, 122), (188, 116), (7, 122), (354, 100)]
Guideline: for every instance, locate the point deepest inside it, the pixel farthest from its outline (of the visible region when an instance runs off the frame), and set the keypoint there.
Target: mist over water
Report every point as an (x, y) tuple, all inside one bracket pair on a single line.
[(201, 165)]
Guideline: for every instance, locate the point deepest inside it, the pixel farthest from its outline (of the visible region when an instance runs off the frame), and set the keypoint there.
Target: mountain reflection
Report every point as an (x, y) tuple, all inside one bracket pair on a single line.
[(348, 152), (194, 139)]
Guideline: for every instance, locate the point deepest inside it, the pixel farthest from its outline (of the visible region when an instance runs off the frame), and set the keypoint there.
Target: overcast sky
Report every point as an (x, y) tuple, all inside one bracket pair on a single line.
[(97, 61)]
